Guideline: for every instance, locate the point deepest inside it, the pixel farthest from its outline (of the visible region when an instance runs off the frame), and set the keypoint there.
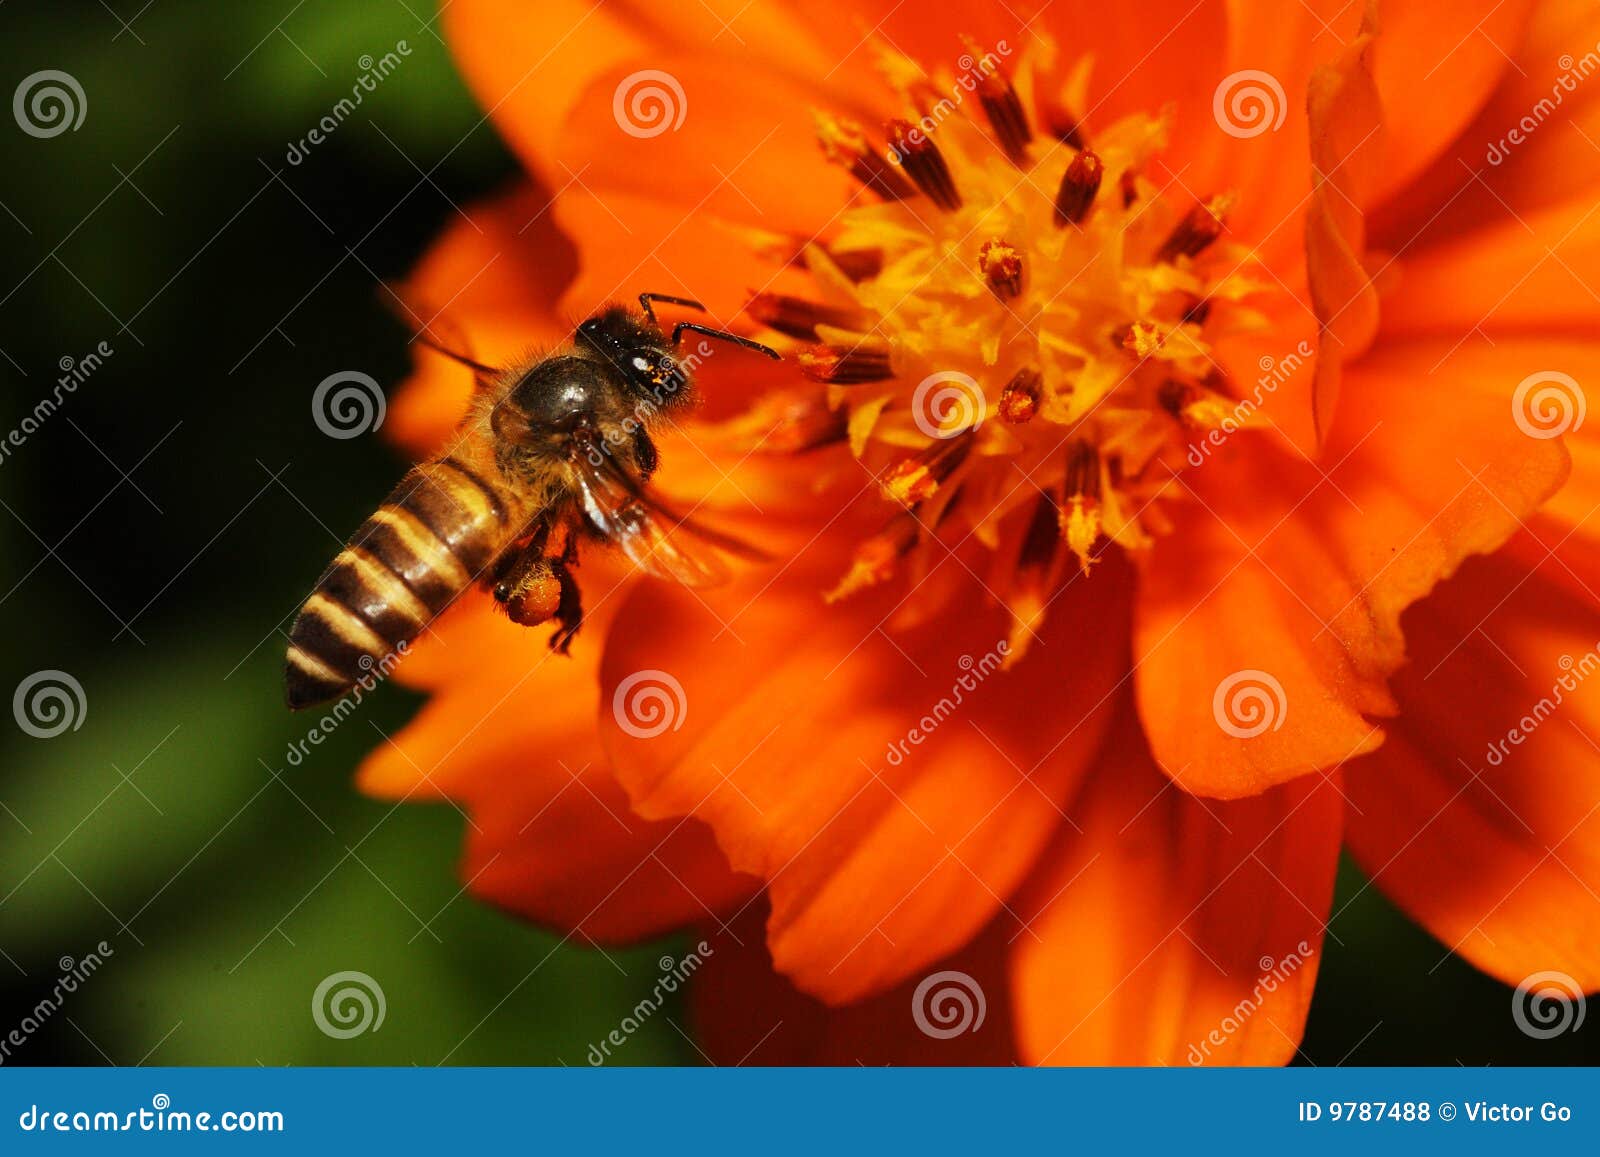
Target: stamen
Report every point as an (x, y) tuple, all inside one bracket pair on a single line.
[(1001, 266), (1080, 521), (1036, 574), (846, 367), (1128, 185), (1200, 226), (844, 142), (924, 163), (788, 422), (1196, 406), (875, 559), (1079, 184), (798, 317), (1003, 107), (1019, 401), (917, 478)]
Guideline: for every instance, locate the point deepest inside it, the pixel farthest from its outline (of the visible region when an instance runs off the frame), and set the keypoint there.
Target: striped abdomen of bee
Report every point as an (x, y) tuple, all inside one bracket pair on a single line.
[(433, 536)]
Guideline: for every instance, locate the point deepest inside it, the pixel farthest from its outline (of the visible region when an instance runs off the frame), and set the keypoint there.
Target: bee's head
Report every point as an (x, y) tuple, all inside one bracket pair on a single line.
[(640, 355)]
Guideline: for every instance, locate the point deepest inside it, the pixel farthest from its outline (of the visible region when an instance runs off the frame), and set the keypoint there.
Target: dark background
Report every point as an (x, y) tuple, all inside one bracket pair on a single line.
[(162, 526)]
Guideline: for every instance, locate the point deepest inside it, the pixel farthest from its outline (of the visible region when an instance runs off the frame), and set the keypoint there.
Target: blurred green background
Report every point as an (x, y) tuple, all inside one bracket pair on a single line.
[(157, 531)]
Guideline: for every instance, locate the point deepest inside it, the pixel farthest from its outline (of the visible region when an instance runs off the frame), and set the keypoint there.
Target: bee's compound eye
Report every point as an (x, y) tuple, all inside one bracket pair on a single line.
[(502, 592)]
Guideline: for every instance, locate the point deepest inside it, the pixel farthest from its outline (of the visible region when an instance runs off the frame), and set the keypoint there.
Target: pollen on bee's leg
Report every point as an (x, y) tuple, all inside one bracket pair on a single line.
[(1001, 266), (1079, 184), (1019, 401), (876, 559), (865, 362), (844, 142), (1003, 108), (917, 478), (922, 161), (1200, 226), (798, 317), (1080, 518)]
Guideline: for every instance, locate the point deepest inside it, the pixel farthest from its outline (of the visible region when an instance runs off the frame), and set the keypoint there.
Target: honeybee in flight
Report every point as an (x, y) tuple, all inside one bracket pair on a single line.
[(548, 452)]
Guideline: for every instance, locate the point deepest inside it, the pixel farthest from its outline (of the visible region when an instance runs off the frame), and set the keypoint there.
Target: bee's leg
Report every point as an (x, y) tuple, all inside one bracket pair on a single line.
[(645, 456), (569, 610), (647, 300), (529, 590), (722, 335)]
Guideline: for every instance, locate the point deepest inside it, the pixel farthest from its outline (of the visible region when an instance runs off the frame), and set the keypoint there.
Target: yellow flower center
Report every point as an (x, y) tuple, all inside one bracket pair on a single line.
[(1020, 320)]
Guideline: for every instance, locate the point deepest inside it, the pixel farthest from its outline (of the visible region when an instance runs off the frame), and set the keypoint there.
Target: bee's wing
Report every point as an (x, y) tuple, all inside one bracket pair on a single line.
[(658, 541)]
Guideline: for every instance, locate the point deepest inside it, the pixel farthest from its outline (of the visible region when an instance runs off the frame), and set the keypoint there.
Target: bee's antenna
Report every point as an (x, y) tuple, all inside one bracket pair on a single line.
[(723, 335), (475, 366), (645, 300)]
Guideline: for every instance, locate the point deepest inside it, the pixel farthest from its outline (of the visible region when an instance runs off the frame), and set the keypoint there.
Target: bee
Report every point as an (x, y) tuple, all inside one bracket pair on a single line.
[(549, 452)]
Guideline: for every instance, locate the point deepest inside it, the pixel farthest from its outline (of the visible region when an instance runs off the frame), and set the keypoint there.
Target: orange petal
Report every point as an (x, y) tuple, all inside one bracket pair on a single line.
[(487, 289), (1531, 272), (1481, 816), (1525, 151), (1164, 929), (891, 786), (551, 835), (745, 1013), (1267, 624)]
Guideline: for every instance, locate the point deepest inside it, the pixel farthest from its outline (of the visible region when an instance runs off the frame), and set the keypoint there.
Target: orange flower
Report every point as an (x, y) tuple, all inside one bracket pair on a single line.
[(1147, 369)]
